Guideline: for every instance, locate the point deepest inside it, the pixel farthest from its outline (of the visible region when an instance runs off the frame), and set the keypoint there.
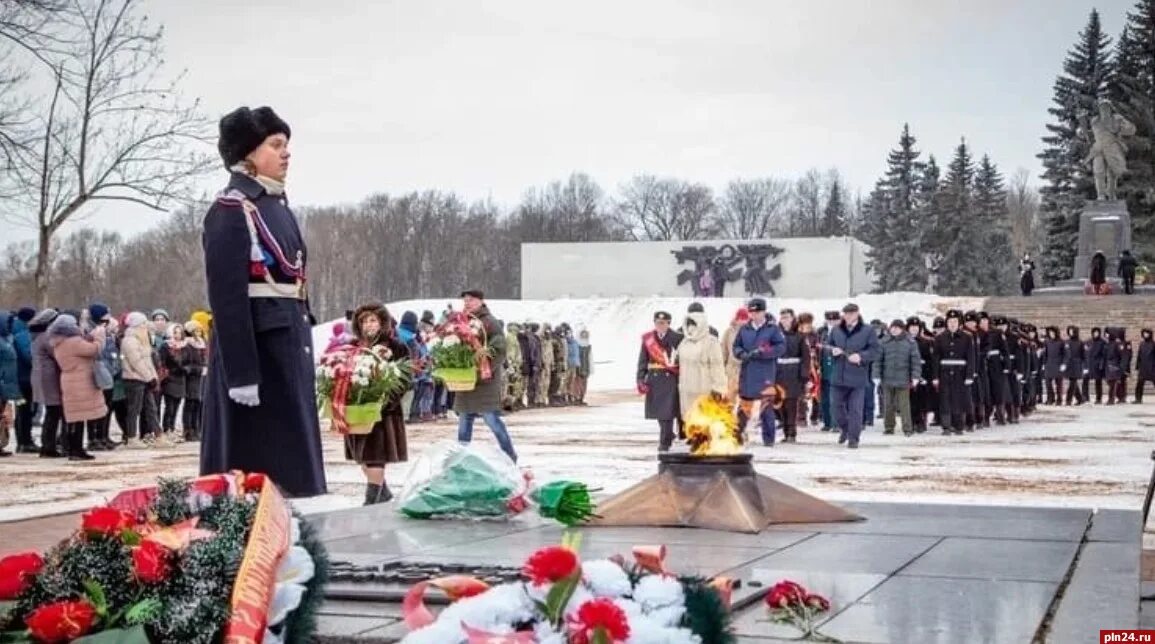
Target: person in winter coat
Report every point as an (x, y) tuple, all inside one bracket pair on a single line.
[(557, 382), (1054, 360), (1128, 354), (1095, 352), (657, 377), (585, 368), (732, 364), (921, 399), (1144, 364), (1074, 367), (45, 387), (997, 360), (485, 400), (140, 378), (387, 442), (339, 337), (853, 345), (826, 369), (545, 365), (810, 395), (897, 370), (514, 378), (573, 362), (531, 362), (1098, 272), (22, 342), (260, 390), (174, 357), (953, 373), (195, 369), (82, 400), (408, 333), (758, 347), (9, 374), (1127, 268), (1026, 275), (793, 374), (108, 364), (700, 370), (1113, 364)]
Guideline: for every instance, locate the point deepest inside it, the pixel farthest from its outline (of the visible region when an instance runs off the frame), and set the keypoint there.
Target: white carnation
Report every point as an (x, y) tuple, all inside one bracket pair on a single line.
[(495, 610), (545, 634), (452, 341), (646, 631), (606, 578), (659, 591)]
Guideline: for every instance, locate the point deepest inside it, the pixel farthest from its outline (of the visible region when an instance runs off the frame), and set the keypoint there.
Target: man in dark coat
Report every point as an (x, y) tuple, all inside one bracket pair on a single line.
[(1098, 271), (921, 397), (260, 410), (485, 399), (758, 346), (953, 373), (978, 389), (1096, 365), (1113, 365), (26, 409), (1054, 361), (1128, 354), (1127, 267), (793, 373), (1144, 364), (1015, 339), (658, 378), (853, 345), (1074, 368), (531, 363), (998, 367)]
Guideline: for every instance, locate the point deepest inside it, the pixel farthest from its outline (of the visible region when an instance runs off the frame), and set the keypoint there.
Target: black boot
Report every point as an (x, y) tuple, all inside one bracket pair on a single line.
[(372, 491), (385, 495), (75, 439)]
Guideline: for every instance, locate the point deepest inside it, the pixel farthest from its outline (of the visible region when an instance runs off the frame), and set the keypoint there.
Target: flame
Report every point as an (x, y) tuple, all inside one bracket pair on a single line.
[(712, 428)]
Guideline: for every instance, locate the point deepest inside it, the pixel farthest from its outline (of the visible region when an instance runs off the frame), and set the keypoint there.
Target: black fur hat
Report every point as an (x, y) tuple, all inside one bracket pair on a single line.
[(914, 320), (939, 323), (954, 314), (244, 130)]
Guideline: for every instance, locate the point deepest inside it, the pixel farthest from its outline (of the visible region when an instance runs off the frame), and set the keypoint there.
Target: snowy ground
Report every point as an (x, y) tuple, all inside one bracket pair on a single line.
[(1088, 457)]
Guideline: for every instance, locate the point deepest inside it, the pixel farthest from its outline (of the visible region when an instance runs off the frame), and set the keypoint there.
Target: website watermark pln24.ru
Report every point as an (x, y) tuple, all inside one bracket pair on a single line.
[(1121, 637)]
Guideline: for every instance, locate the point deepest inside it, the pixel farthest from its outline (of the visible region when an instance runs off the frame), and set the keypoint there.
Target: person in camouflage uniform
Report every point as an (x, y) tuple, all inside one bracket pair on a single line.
[(557, 380), (514, 378), (545, 367)]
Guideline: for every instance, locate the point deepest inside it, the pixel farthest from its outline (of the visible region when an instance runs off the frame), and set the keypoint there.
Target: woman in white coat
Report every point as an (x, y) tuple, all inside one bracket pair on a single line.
[(701, 367)]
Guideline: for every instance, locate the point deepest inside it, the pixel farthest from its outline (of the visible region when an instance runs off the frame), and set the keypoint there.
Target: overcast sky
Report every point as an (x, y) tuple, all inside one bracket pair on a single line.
[(489, 98)]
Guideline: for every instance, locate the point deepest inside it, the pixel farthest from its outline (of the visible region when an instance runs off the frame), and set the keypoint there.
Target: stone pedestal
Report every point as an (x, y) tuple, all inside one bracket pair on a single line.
[(1104, 226)]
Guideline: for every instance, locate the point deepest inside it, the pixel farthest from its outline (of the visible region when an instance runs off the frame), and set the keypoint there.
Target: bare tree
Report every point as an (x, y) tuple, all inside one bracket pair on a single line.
[(807, 214), (110, 129), (1027, 229), (666, 209), (754, 208)]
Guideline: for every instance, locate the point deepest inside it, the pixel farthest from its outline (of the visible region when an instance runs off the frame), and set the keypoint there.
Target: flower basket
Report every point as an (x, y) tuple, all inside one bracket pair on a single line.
[(219, 558), (361, 418), (353, 383), (457, 379)]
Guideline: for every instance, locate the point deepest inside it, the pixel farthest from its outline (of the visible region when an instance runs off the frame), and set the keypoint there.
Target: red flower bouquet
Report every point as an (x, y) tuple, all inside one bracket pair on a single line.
[(460, 352), (790, 603), (16, 572), (61, 621)]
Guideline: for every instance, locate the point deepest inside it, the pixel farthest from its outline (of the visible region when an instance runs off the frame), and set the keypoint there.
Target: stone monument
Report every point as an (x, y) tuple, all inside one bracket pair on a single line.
[(1103, 226)]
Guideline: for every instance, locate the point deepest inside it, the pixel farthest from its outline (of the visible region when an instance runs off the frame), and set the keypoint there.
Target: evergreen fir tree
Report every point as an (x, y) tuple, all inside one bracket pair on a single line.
[(834, 216), (1132, 90), (954, 240), (991, 231), (902, 175), (929, 211), (1068, 182), (873, 230)]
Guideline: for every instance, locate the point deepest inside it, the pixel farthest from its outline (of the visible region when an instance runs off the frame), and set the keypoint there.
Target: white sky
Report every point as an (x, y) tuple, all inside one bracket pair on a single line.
[(490, 98)]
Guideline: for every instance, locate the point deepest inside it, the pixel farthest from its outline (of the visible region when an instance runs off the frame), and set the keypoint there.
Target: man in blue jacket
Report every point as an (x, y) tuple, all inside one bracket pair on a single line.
[(853, 345), (22, 342), (758, 346)]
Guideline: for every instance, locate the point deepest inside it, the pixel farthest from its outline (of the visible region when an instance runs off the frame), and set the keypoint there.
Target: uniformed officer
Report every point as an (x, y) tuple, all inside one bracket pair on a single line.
[(998, 368), (954, 369), (260, 410), (658, 377), (920, 395)]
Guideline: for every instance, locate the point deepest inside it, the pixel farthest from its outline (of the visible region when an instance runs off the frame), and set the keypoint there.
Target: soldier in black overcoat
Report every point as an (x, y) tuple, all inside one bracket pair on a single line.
[(260, 410), (1015, 339), (920, 395), (658, 377), (998, 368), (1113, 365), (1075, 367), (1095, 365), (978, 386), (1144, 364), (793, 373), (954, 369), (1054, 364)]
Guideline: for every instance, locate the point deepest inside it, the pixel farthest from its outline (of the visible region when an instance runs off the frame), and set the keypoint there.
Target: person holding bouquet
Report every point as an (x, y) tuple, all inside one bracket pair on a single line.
[(485, 399), (386, 442)]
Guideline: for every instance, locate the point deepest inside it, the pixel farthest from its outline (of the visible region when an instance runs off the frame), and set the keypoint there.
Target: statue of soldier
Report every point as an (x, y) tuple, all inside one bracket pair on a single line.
[(1108, 155)]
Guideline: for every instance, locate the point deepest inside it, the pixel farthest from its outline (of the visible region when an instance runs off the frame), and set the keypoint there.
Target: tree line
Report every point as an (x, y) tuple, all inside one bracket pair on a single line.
[(1094, 70)]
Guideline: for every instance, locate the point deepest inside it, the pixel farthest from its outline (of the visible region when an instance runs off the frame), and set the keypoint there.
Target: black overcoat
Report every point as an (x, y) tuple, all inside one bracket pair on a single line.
[(662, 395), (1145, 360), (263, 341), (1054, 357)]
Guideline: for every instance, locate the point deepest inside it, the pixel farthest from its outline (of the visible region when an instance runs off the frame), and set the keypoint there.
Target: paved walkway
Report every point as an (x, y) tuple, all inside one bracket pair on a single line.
[(36, 534)]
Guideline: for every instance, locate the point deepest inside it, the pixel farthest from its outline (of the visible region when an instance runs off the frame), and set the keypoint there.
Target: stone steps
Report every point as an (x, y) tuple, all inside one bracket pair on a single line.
[(1133, 312)]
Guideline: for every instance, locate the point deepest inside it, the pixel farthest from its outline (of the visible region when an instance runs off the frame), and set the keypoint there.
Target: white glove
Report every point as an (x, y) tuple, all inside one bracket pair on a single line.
[(249, 396), (968, 382), (1062, 367), (1086, 371), (915, 382)]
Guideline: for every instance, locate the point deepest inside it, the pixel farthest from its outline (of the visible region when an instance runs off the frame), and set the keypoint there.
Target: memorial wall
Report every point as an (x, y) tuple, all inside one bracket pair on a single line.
[(797, 267)]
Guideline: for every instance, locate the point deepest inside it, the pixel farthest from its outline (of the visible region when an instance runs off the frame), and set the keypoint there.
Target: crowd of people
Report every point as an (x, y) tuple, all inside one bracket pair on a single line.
[(72, 372), (960, 373)]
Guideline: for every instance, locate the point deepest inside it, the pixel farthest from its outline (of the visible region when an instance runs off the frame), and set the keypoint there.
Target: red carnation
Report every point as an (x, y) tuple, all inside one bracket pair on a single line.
[(550, 564), (61, 621), (213, 486), (150, 562), (254, 482), (818, 602), (106, 521), (17, 571), (599, 615), (786, 593)]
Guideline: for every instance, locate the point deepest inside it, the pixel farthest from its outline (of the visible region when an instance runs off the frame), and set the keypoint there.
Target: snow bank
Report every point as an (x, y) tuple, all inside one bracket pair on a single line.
[(616, 325)]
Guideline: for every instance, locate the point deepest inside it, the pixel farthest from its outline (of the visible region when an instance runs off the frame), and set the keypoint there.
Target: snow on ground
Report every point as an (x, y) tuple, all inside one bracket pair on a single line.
[(1091, 456), (616, 325)]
